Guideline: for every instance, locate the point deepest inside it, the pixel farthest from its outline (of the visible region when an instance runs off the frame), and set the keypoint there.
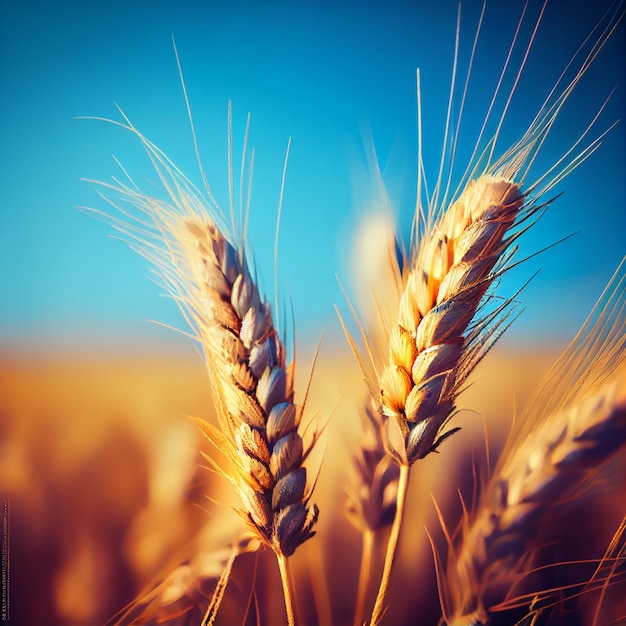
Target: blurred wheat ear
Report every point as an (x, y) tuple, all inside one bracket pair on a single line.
[(575, 424), (175, 594), (372, 498), (207, 273)]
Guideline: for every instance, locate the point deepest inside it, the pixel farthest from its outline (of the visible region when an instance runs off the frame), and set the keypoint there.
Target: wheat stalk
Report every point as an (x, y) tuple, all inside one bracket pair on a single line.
[(459, 251), (205, 568), (208, 275), (574, 424), (372, 498)]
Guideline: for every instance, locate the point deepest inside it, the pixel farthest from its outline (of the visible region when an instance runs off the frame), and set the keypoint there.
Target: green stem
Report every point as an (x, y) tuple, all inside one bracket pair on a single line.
[(364, 575), (287, 589), (392, 544)]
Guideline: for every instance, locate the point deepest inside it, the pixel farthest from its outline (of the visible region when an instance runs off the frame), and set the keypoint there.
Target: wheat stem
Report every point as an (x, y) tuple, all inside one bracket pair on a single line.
[(220, 589), (319, 586), (392, 544), (364, 575), (288, 591)]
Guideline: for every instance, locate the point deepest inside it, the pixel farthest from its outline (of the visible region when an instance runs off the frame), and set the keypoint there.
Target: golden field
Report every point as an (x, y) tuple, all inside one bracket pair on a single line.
[(107, 491)]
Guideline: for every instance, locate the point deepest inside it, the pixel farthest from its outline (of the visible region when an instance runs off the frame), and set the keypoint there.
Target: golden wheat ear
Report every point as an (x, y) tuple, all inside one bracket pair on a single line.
[(434, 346), (575, 424), (443, 329), (463, 240), (204, 267), (446, 312)]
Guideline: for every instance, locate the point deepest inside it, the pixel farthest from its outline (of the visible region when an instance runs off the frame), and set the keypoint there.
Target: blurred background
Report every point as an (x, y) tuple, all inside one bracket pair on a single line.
[(99, 467), (325, 75)]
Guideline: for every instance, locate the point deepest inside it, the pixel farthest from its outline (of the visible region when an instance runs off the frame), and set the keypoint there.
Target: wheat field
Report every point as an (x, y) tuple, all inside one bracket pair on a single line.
[(119, 498), (411, 467)]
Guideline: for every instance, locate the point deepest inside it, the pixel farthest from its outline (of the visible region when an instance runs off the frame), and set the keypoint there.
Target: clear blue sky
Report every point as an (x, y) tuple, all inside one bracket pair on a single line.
[(319, 72)]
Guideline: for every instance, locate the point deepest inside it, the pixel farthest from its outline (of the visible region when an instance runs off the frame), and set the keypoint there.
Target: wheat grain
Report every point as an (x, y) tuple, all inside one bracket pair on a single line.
[(458, 251), (433, 347)]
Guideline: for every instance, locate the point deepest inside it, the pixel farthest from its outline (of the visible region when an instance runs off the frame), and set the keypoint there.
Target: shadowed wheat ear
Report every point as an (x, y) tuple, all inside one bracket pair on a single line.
[(575, 424), (372, 498), (207, 273)]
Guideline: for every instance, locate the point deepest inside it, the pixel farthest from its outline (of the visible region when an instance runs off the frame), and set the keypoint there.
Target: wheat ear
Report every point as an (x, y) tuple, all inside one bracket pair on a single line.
[(436, 341), (434, 346), (547, 459), (545, 468), (208, 275), (259, 422), (441, 333)]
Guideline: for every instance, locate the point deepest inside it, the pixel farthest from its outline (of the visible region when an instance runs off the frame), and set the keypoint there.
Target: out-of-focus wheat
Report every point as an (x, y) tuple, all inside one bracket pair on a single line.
[(545, 468), (372, 494), (575, 424), (372, 497), (187, 584)]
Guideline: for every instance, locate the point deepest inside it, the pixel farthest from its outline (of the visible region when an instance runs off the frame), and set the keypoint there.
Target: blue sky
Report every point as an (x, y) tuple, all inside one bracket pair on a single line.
[(321, 73)]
